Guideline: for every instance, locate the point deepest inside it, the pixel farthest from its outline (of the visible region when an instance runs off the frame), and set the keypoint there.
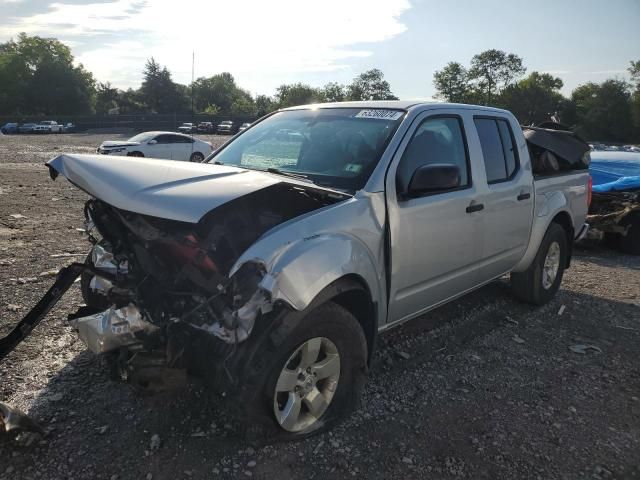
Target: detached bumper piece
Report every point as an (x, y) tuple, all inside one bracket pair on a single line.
[(66, 277)]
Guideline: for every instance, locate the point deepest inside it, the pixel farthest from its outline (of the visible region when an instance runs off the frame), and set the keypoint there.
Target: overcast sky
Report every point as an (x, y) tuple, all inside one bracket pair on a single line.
[(266, 43)]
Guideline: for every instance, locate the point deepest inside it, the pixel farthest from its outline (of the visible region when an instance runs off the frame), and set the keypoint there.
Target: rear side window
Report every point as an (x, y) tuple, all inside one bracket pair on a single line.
[(498, 149)]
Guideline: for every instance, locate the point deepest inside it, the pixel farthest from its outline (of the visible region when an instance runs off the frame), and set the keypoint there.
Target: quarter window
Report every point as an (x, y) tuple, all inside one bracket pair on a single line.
[(437, 140), (498, 149)]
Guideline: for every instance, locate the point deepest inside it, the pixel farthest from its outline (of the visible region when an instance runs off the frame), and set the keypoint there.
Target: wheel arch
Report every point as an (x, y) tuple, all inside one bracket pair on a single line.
[(352, 293), (563, 219), (541, 224)]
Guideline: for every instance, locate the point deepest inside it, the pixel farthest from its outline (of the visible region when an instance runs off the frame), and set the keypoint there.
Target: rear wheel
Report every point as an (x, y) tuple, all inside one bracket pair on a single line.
[(196, 157), (540, 282), (315, 378), (630, 243)]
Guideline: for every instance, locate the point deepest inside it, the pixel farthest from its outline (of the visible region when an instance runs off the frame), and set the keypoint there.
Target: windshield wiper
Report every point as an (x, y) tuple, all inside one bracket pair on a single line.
[(277, 171)]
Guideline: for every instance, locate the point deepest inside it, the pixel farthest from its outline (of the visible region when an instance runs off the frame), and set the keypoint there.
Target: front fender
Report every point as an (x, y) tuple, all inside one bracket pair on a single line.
[(300, 272)]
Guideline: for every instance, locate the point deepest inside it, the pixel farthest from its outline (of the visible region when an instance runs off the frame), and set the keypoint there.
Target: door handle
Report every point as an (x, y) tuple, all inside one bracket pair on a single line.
[(475, 207), (523, 196)]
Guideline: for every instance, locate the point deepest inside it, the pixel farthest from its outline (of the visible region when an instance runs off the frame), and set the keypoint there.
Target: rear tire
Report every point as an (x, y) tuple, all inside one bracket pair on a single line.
[(630, 243), (196, 157), (266, 401), (539, 283)]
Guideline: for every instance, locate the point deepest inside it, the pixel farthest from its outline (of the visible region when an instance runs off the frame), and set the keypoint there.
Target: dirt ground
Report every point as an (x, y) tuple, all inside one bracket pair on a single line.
[(481, 388)]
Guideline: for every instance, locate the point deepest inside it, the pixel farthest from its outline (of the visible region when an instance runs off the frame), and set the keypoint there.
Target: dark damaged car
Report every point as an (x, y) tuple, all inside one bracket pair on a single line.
[(269, 269)]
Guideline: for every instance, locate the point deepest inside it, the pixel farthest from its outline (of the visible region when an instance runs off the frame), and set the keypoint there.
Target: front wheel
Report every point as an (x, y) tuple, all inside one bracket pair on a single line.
[(313, 378), (540, 282)]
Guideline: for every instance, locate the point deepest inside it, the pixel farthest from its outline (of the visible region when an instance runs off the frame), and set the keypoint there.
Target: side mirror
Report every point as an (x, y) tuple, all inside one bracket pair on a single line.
[(435, 177), (152, 142)]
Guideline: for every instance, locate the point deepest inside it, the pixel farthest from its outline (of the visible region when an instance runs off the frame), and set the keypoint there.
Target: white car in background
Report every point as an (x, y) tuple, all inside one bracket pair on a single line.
[(165, 145), (48, 126)]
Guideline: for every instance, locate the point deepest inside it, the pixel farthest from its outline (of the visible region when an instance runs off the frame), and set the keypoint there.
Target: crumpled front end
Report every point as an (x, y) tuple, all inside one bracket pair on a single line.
[(152, 279)]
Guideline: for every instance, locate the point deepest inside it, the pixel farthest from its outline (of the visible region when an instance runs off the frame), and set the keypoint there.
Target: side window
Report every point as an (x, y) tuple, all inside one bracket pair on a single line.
[(498, 149), (436, 140), (180, 139), (163, 139)]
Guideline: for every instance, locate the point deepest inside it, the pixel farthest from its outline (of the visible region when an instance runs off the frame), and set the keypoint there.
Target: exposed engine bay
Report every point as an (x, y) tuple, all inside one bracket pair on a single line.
[(169, 271), (147, 276)]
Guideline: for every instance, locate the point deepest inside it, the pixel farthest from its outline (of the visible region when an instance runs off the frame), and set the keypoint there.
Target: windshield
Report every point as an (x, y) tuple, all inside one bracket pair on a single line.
[(333, 147), (142, 137)]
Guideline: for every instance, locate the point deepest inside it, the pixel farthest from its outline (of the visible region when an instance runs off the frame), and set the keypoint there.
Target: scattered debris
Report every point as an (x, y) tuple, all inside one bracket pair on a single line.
[(583, 349), (407, 460), (561, 311), (17, 216), (403, 355), (62, 255), (49, 273), (517, 339), (14, 419), (13, 308), (317, 449), (155, 442), (511, 320)]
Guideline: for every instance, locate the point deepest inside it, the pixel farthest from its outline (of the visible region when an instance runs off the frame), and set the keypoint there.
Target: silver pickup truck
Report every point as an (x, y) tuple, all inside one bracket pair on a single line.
[(270, 268)]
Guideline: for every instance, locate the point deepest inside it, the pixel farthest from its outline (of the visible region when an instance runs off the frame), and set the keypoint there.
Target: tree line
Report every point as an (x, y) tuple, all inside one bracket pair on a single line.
[(38, 77), (607, 111)]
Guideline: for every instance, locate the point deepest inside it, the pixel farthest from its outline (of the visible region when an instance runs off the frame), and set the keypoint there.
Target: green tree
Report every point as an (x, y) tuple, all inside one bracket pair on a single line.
[(603, 111), (333, 92), (634, 70), (452, 83), (222, 91), (243, 104), (370, 85), (264, 105), (38, 76), (493, 70), (158, 91), (296, 94), (533, 99), (106, 98)]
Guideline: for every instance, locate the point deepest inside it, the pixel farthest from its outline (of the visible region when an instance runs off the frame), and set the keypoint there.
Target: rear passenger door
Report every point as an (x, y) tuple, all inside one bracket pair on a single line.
[(159, 147), (507, 196), (181, 147)]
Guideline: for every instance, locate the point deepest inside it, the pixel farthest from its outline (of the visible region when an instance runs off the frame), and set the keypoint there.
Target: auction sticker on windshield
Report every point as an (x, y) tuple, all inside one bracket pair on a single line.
[(380, 114)]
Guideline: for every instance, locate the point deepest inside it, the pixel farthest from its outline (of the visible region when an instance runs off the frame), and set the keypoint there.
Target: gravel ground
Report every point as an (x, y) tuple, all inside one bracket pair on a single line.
[(482, 388)]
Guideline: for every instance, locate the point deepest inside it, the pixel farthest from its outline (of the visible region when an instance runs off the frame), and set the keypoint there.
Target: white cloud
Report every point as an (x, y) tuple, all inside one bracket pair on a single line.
[(253, 37)]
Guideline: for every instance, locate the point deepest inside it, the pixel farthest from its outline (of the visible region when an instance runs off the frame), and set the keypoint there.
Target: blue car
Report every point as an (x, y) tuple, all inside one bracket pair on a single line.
[(9, 128)]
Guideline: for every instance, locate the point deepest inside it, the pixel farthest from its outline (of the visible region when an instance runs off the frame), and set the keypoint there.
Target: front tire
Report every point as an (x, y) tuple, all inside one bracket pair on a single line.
[(312, 379), (135, 154), (540, 282)]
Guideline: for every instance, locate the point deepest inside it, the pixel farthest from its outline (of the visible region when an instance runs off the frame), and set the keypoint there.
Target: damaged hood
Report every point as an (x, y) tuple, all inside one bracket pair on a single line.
[(173, 190)]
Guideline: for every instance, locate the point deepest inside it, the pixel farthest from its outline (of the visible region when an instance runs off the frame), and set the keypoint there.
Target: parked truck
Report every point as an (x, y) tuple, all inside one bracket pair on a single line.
[(271, 268)]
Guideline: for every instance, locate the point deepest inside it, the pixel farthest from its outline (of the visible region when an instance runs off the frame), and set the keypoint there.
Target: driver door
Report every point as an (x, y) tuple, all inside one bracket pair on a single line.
[(436, 242)]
